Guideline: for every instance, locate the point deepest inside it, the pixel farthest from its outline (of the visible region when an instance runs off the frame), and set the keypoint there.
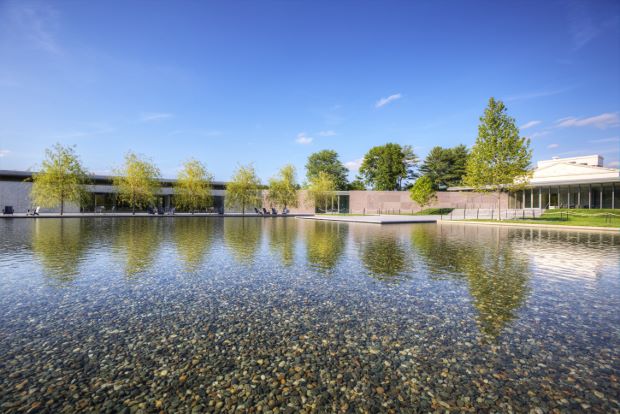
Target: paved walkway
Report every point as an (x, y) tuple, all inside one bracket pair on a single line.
[(377, 219)]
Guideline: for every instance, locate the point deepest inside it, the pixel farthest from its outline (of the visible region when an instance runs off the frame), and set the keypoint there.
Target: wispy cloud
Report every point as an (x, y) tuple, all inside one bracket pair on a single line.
[(155, 116), (551, 146), (384, 101), (354, 165), (536, 94), (538, 134), (328, 133), (602, 121), (584, 26), (303, 139), (4, 152), (37, 24), (530, 124), (604, 140)]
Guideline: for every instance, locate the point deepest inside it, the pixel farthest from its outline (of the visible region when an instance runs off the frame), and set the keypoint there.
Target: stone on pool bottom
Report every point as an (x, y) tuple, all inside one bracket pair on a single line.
[(283, 315)]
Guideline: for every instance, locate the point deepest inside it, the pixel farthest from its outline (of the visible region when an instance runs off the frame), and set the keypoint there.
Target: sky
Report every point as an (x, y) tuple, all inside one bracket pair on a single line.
[(270, 82)]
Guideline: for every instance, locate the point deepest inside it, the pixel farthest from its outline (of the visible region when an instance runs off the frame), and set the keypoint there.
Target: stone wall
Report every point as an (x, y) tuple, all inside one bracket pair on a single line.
[(373, 201)]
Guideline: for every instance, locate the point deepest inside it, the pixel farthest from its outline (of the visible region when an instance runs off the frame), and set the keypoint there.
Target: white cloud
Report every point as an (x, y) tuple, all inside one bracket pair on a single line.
[(613, 164), (328, 133), (602, 121), (530, 124), (384, 101), (36, 23), (155, 116), (550, 146), (354, 165), (604, 140), (4, 152), (303, 139), (538, 134)]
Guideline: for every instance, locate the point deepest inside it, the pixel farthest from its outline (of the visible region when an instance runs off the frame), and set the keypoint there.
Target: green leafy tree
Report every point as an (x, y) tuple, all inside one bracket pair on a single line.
[(244, 189), (500, 158), (193, 187), (327, 161), (422, 191), (446, 167), (61, 179), (138, 182), (357, 185), (388, 167), (321, 190), (283, 188)]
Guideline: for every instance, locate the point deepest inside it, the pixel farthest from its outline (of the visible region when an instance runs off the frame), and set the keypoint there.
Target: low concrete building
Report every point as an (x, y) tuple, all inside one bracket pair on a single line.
[(578, 182)]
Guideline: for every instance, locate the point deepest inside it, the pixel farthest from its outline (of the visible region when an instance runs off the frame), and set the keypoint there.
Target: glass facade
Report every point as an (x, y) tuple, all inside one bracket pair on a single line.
[(567, 196)]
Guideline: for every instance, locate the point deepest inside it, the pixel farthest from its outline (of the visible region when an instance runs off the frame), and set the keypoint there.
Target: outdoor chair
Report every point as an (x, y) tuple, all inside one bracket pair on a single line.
[(257, 211), (265, 211), (274, 211), (8, 210), (34, 212), (160, 211)]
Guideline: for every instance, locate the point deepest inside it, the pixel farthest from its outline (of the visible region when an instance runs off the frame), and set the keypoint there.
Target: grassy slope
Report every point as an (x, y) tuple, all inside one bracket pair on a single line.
[(576, 217)]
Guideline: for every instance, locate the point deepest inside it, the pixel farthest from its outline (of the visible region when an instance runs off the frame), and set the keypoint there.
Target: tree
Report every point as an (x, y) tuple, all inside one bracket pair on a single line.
[(422, 191), (137, 182), (244, 188), (445, 166), (387, 167), (321, 190), (500, 159), (357, 185), (193, 188), (61, 178), (327, 161), (283, 188)]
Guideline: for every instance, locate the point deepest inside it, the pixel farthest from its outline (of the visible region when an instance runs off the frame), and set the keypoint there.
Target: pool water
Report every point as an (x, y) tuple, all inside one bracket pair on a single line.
[(185, 314)]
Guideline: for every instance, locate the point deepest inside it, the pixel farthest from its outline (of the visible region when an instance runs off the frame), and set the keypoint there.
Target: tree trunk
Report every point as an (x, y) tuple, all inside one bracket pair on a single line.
[(62, 206)]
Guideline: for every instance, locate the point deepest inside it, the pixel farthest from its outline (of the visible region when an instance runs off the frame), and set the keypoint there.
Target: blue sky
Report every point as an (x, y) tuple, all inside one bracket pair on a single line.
[(271, 82)]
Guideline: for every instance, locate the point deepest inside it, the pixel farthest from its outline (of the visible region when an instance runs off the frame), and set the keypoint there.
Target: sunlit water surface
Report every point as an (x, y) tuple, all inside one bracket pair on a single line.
[(285, 315)]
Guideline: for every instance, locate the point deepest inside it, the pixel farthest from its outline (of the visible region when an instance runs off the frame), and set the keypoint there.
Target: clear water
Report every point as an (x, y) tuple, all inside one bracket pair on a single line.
[(285, 315)]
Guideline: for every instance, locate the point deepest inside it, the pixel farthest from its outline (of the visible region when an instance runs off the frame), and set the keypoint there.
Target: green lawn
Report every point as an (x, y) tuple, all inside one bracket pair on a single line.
[(574, 217), (433, 212)]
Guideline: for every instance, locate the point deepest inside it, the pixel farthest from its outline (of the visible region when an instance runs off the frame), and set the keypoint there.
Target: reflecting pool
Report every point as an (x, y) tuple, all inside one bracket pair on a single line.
[(283, 315)]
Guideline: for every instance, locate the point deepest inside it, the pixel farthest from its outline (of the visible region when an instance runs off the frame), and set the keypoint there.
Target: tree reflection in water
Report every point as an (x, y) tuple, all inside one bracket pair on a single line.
[(193, 237), (497, 278), (139, 239), (382, 251), (60, 245), (325, 243), (282, 238), (242, 236)]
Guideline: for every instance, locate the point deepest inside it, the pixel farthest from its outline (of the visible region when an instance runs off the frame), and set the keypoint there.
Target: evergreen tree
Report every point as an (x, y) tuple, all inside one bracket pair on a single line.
[(500, 158)]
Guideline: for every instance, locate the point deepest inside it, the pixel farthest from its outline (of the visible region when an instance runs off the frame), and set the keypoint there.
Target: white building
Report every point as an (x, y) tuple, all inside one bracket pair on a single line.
[(578, 182)]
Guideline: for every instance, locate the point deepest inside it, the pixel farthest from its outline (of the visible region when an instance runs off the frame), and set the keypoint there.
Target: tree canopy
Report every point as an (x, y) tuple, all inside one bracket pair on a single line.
[(60, 179), (138, 181), (445, 166), (243, 190), (423, 191), (500, 158), (327, 161), (321, 190), (283, 188), (388, 167), (193, 187)]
